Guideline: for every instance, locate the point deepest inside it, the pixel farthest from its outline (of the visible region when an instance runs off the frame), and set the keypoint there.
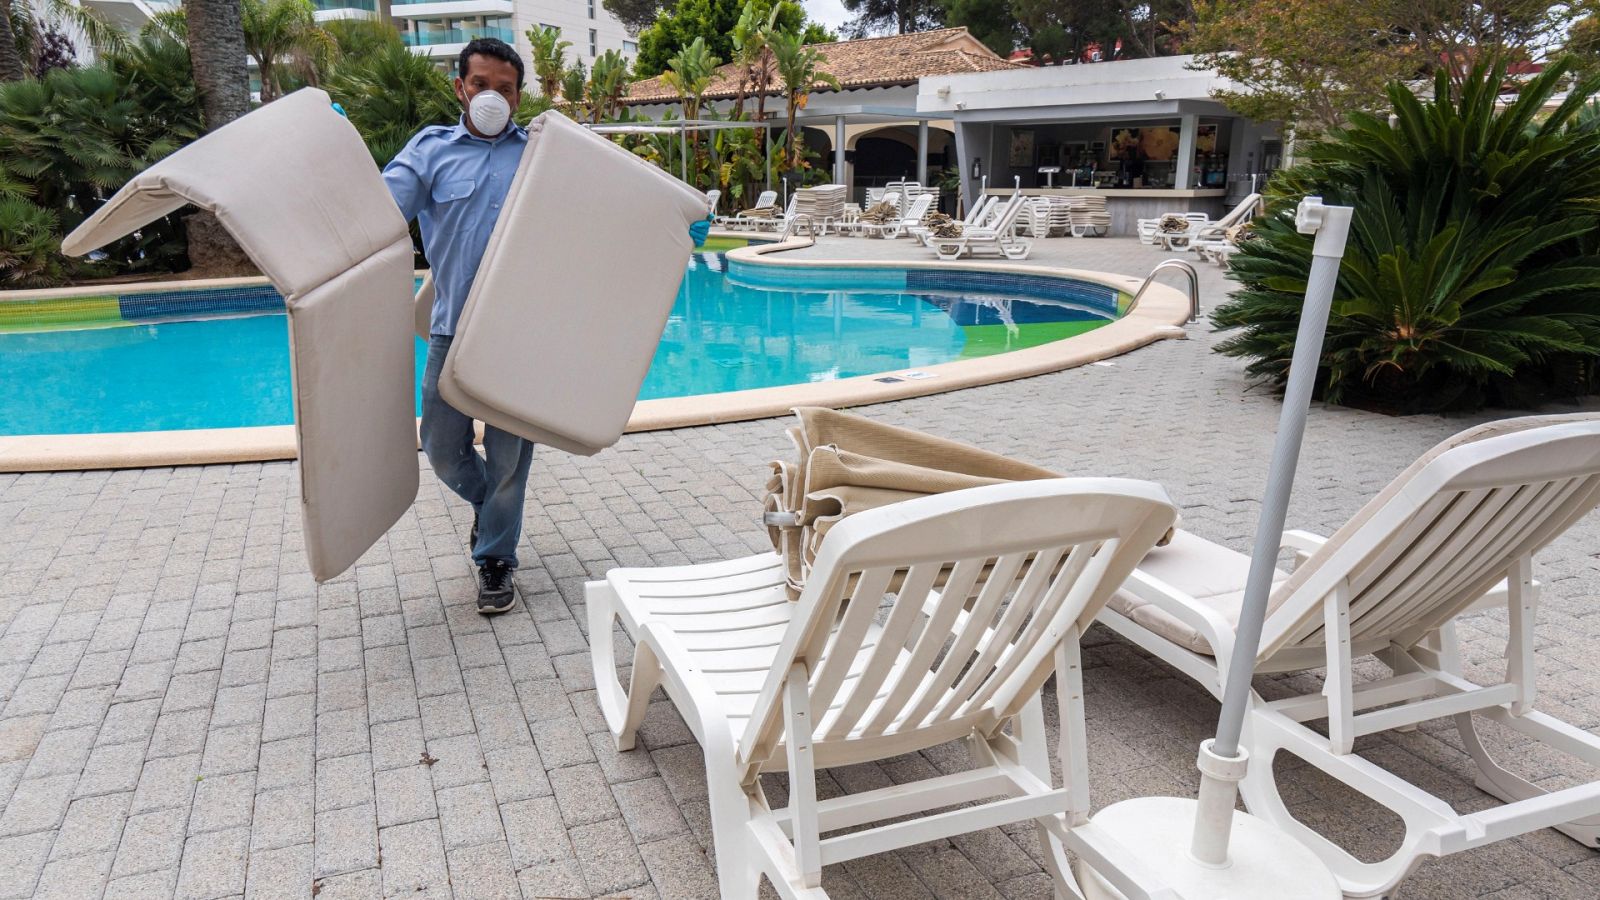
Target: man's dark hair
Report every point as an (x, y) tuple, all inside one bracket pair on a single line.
[(491, 47)]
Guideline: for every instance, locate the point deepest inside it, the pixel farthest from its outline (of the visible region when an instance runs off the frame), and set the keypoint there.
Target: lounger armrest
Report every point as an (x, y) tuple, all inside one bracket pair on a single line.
[(1303, 543), (1216, 630)]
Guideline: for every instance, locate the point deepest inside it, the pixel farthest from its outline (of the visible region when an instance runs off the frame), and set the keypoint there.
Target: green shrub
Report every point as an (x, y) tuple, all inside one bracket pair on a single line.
[(71, 140), (389, 94), (1471, 273)]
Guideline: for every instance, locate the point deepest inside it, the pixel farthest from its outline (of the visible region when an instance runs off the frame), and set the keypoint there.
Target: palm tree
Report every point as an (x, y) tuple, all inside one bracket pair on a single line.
[(799, 68), (390, 93), (607, 80), (23, 24), (753, 57), (279, 31), (11, 68), (549, 58), (217, 53)]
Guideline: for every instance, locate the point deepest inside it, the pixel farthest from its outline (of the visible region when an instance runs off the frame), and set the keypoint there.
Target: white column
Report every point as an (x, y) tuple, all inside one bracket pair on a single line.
[(838, 149), (963, 164), (922, 151), (1186, 134)]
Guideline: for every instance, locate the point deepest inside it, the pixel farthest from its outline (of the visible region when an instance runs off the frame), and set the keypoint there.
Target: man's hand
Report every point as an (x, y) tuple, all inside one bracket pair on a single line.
[(699, 230)]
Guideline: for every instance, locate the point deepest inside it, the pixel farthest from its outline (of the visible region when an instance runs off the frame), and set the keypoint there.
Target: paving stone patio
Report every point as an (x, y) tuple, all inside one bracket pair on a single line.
[(184, 712)]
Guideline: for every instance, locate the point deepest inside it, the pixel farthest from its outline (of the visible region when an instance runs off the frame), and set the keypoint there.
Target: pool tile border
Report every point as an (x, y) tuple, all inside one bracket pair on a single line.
[(1161, 315)]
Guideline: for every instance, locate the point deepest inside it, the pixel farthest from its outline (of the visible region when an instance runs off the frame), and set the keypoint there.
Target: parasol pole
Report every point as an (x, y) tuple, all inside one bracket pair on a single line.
[(1218, 791), (1203, 849)]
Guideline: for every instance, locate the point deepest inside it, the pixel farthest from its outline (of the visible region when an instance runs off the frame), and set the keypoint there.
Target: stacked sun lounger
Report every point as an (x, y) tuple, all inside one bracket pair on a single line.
[(1046, 217), (823, 203), (1087, 216)]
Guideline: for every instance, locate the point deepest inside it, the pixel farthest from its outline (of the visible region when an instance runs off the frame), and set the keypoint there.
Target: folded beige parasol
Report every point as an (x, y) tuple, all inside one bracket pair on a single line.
[(846, 464)]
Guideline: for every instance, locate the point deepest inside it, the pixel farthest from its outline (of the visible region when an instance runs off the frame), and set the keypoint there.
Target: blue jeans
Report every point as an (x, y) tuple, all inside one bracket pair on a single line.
[(495, 483)]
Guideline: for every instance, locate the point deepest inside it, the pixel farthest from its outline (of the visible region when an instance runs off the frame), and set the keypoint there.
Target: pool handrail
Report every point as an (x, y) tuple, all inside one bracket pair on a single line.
[(1194, 286)]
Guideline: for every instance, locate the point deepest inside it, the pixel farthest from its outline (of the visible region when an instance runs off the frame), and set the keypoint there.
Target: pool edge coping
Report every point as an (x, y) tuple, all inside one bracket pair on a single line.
[(1160, 315)]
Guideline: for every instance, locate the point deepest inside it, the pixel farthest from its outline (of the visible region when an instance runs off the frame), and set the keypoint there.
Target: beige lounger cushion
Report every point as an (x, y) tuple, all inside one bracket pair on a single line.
[(573, 292), (295, 186), (1215, 575), (1210, 573)]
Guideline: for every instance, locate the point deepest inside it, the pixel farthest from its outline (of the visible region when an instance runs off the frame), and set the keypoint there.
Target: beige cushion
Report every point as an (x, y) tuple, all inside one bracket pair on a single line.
[(295, 186), (1210, 573), (355, 407), (573, 292)]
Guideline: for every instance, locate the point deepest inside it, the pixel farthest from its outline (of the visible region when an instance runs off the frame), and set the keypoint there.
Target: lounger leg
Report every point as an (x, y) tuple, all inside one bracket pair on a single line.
[(738, 873), (623, 711), (1496, 780), (1259, 788), (1035, 755)]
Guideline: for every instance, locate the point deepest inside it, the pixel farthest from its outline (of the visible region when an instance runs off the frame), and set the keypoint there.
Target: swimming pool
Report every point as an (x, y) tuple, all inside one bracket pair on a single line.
[(218, 358)]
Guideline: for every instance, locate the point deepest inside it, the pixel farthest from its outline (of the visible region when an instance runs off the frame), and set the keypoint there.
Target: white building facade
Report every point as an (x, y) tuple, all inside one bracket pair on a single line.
[(439, 29)]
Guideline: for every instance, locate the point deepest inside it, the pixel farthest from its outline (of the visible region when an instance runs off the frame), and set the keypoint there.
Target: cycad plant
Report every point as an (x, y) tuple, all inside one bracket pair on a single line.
[(1471, 270)]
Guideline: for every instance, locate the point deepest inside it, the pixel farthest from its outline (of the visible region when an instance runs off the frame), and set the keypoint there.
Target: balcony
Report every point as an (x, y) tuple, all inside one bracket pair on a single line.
[(455, 36), (436, 9), (129, 15), (328, 10)]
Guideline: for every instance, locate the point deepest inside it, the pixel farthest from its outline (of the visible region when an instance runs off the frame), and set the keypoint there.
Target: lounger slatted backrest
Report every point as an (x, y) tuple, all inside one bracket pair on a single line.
[(918, 209), (1004, 577), (980, 211), (1007, 217), (766, 198), (1470, 512)]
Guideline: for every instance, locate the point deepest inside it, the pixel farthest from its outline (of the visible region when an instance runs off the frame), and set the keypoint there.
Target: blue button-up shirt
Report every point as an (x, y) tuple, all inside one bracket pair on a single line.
[(454, 183)]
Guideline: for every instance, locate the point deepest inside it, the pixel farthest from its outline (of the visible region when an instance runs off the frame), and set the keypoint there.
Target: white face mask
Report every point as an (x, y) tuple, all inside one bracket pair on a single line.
[(489, 112)]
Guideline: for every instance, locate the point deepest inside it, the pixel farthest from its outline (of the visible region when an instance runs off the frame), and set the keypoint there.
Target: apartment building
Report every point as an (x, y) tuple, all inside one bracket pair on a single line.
[(439, 29)]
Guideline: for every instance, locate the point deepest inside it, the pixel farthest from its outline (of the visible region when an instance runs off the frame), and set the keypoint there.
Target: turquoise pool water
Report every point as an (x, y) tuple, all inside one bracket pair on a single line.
[(157, 372)]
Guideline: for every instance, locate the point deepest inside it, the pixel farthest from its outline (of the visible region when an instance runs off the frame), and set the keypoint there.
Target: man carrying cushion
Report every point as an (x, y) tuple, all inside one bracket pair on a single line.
[(453, 179)]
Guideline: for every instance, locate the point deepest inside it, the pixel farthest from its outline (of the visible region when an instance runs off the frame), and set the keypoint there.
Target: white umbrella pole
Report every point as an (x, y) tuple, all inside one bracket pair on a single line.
[(1221, 763)]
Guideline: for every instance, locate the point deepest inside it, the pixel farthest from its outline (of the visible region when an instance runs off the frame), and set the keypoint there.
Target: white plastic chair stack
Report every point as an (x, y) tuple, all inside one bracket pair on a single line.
[(991, 589), (1454, 533)]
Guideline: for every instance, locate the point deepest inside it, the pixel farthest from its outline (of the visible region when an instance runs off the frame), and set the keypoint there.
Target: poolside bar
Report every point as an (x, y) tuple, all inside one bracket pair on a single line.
[(1147, 135)]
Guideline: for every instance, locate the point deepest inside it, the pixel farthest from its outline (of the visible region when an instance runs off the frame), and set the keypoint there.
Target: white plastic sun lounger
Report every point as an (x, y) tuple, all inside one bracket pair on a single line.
[(740, 222), (1200, 231), (1148, 229), (895, 227), (976, 217), (1455, 532), (842, 677), (999, 237)]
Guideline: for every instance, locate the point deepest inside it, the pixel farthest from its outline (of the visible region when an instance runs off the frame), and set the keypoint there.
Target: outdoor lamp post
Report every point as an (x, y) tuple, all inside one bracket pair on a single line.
[(1204, 849)]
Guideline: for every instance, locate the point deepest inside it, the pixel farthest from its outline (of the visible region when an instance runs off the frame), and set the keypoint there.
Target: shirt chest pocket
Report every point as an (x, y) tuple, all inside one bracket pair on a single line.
[(454, 189)]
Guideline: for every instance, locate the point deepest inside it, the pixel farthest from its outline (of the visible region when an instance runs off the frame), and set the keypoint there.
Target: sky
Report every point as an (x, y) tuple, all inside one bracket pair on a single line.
[(829, 12)]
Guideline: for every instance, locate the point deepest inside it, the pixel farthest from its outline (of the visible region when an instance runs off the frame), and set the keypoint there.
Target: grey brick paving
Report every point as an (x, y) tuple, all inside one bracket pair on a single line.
[(184, 712)]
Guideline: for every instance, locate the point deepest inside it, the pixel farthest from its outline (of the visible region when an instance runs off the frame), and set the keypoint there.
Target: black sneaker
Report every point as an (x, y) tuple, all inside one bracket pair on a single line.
[(495, 594), (472, 541)]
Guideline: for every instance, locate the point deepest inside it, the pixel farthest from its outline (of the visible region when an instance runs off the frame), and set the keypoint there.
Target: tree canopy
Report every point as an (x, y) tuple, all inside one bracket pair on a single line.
[(1311, 63), (897, 16), (713, 20)]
